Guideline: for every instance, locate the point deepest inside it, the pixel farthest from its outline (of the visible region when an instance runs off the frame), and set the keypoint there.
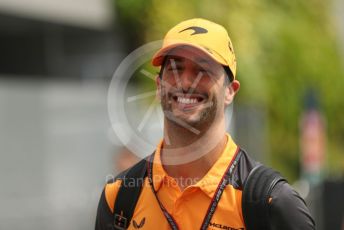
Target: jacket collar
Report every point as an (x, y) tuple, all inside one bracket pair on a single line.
[(209, 183)]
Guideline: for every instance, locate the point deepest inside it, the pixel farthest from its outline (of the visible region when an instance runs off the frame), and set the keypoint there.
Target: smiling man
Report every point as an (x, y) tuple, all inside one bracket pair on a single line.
[(198, 178)]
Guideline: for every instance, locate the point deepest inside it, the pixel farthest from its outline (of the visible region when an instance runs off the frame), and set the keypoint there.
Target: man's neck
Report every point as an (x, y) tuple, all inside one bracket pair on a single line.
[(206, 146)]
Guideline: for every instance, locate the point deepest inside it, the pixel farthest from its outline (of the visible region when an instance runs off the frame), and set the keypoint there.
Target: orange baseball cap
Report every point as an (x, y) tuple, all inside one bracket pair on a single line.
[(202, 34)]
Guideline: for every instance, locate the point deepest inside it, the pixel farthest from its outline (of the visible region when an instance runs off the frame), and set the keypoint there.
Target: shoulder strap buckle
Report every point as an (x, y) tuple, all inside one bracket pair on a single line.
[(120, 222)]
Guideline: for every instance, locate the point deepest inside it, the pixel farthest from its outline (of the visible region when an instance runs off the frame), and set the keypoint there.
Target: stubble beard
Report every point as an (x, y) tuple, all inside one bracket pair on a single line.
[(204, 118)]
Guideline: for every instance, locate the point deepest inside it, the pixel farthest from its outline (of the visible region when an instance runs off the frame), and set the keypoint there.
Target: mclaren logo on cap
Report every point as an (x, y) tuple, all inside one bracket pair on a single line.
[(196, 29)]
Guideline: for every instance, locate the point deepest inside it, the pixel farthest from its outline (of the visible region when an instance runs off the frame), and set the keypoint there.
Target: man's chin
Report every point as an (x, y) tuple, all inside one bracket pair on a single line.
[(192, 121), (187, 120)]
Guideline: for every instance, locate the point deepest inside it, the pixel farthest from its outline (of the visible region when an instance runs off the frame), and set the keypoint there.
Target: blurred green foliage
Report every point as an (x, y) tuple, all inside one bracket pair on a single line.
[(283, 48)]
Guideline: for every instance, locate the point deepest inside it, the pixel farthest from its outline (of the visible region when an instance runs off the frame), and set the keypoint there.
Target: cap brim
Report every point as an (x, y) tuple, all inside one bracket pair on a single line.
[(158, 57)]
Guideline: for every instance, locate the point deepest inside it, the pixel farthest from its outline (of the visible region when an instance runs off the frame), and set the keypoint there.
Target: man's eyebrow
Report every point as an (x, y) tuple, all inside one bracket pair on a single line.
[(178, 60), (203, 61)]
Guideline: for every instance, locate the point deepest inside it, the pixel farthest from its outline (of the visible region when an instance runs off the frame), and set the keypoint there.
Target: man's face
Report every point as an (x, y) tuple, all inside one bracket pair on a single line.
[(192, 87)]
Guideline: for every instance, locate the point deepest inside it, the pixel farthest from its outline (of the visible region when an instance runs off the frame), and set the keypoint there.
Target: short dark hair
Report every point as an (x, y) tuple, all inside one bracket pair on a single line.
[(228, 80), (230, 76)]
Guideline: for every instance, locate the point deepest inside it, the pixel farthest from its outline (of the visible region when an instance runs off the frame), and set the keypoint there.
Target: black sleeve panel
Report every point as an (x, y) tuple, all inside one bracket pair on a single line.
[(288, 211), (104, 215)]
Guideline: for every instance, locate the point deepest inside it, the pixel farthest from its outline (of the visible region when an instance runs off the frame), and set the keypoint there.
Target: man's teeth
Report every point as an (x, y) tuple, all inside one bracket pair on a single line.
[(187, 100)]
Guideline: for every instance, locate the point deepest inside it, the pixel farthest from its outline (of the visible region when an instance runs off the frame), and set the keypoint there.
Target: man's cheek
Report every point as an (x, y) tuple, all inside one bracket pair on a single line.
[(163, 92)]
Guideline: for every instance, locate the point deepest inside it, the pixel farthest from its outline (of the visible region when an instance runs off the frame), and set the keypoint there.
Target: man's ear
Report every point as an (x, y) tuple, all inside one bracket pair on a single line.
[(230, 91)]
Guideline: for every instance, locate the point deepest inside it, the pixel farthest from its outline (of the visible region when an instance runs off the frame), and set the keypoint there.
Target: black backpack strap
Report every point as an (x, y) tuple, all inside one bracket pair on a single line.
[(256, 193), (128, 194)]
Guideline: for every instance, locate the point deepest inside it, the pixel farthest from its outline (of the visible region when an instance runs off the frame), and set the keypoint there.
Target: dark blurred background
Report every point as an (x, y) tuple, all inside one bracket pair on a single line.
[(57, 59)]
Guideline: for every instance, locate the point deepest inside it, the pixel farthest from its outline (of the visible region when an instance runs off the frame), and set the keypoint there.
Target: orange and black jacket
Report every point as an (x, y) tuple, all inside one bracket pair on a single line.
[(287, 210)]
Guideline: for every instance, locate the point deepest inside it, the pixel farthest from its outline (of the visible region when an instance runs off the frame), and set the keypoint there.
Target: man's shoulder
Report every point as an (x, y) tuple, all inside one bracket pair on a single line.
[(126, 178), (284, 202), (112, 186), (241, 172), (106, 204), (110, 192)]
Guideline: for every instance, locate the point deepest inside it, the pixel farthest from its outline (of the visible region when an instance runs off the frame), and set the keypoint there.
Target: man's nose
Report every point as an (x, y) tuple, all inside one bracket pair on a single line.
[(187, 79)]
